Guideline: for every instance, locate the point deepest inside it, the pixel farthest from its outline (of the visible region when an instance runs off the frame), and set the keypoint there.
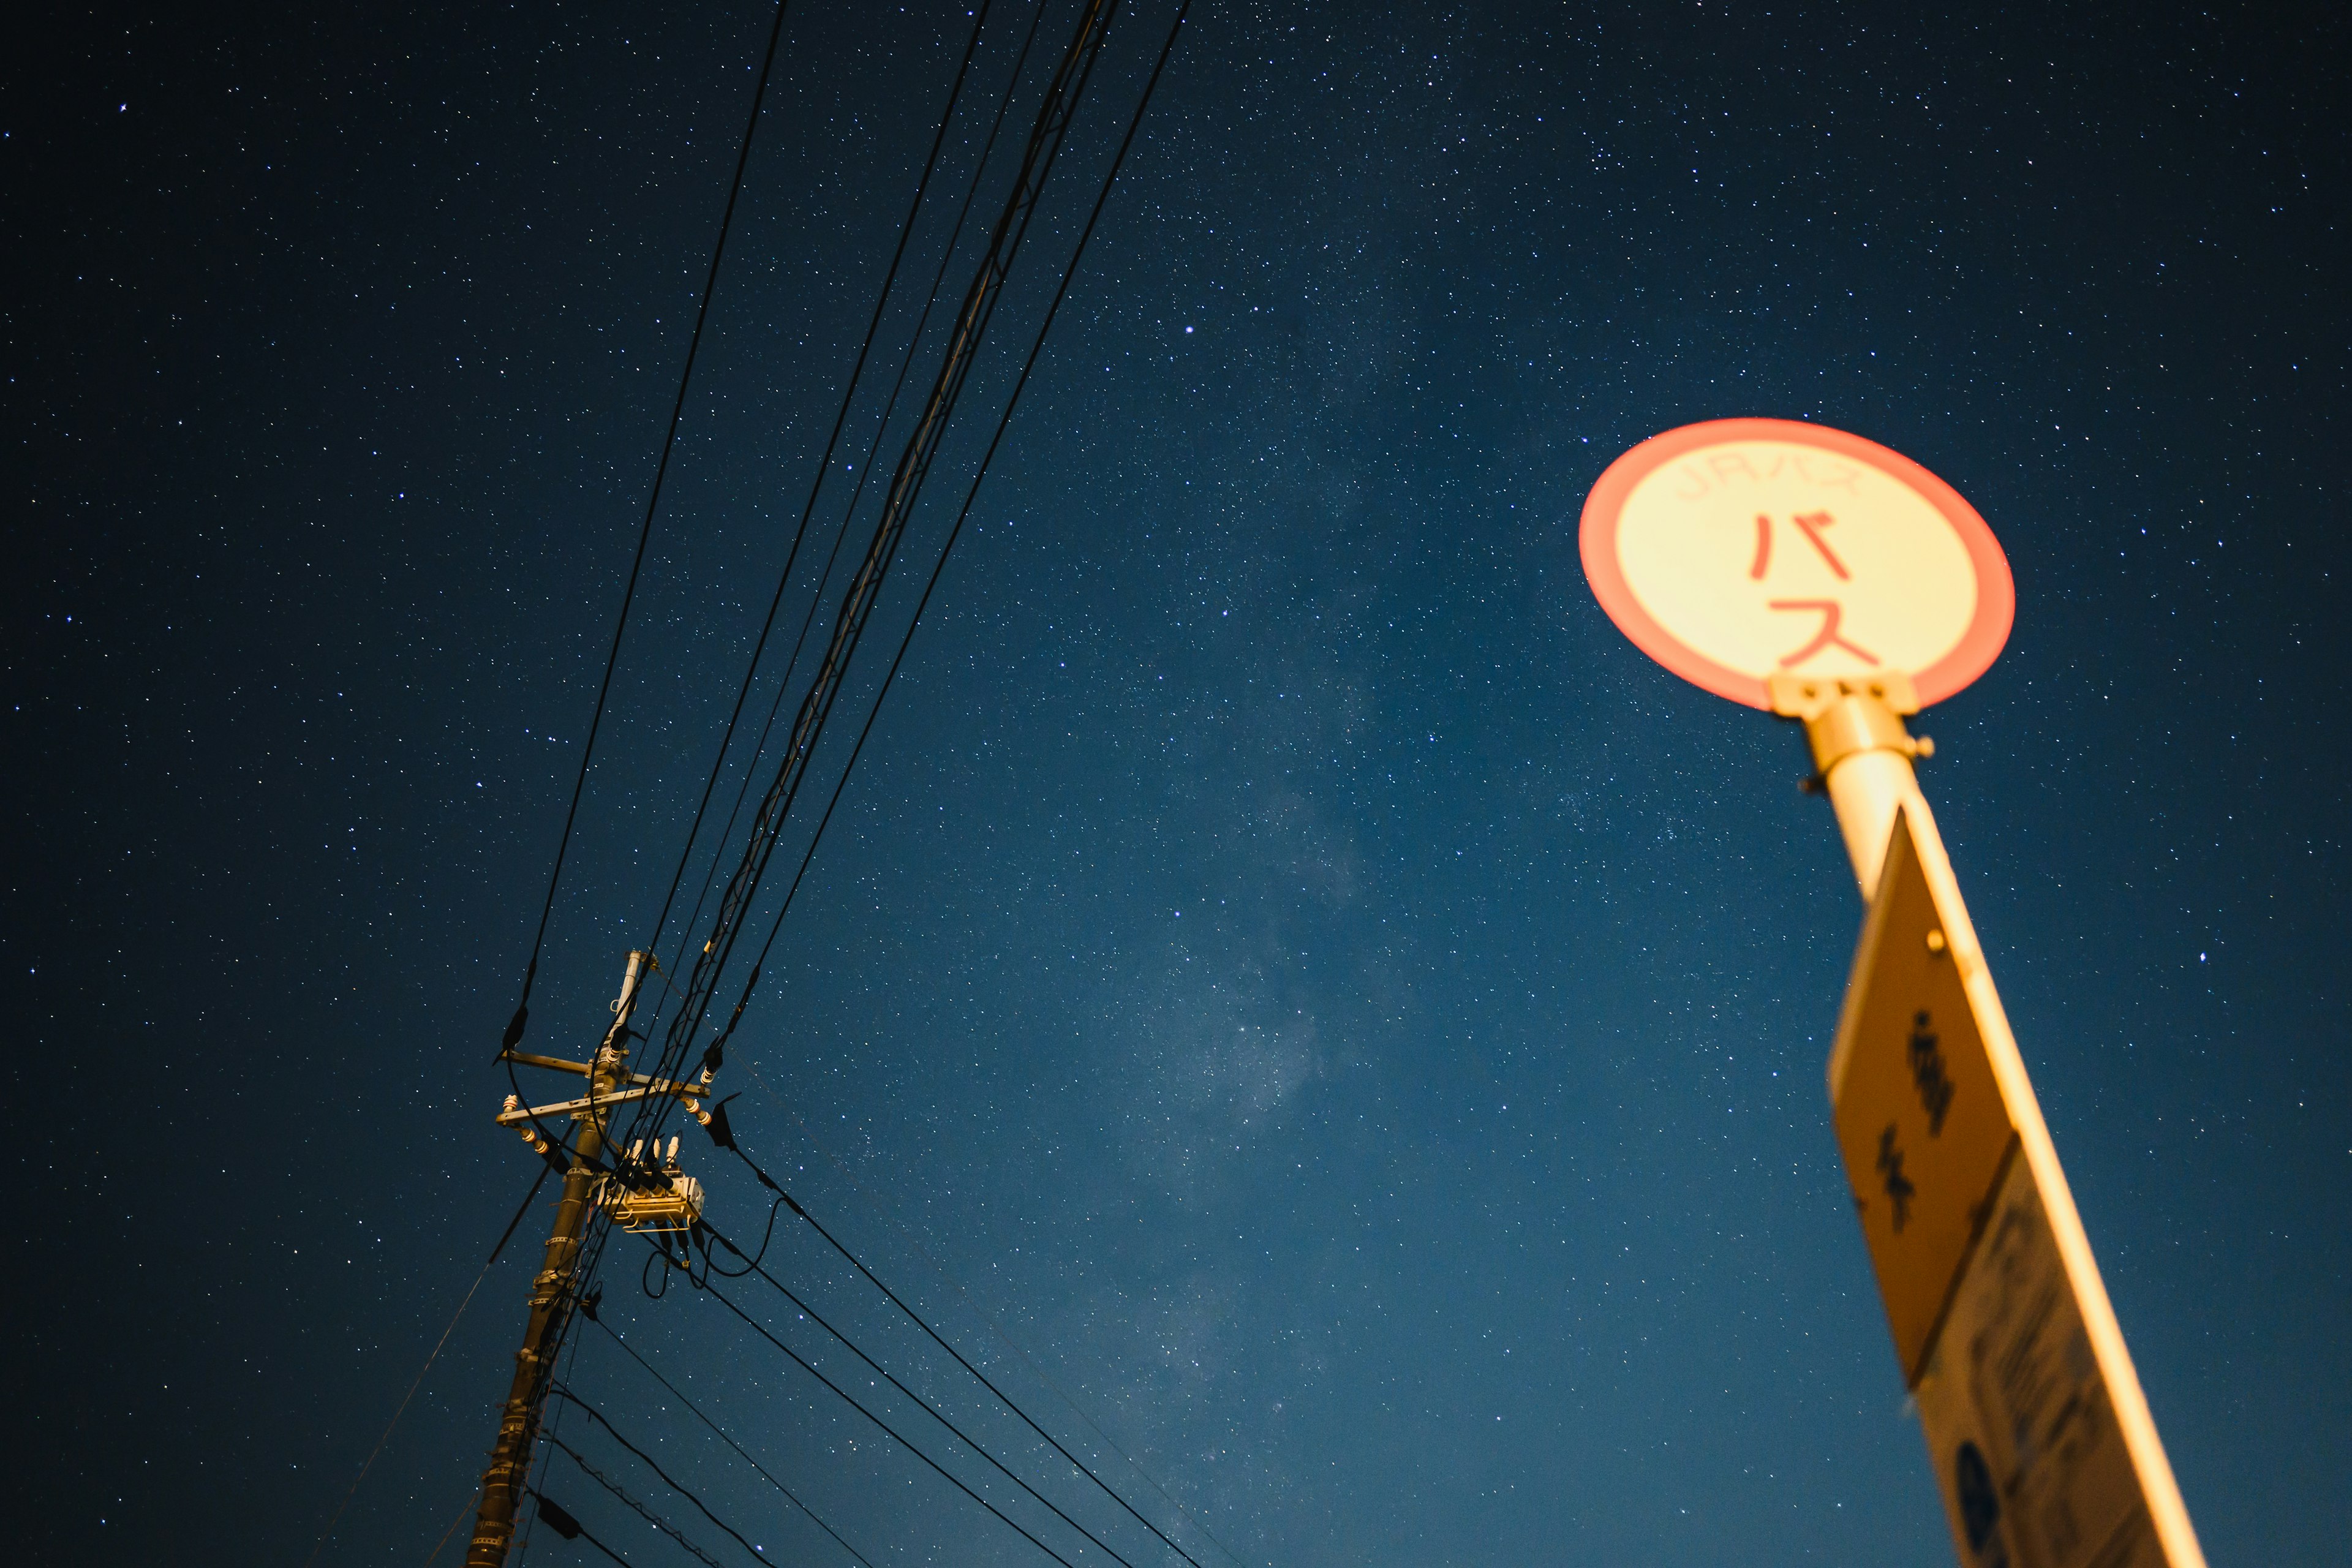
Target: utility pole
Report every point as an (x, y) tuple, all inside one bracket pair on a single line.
[(552, 1290)]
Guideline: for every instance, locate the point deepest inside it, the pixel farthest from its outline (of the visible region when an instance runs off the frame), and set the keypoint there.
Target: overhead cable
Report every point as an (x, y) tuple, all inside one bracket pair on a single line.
[(648, 1515), (851, 1400), (935, 1412), (971, 495), (790, 1496), (858, 489), (986, 1381), (1150, 88), (859, 600), (816, 484), (563, 1391), (947, 1277), (645, 534), (856, 608)]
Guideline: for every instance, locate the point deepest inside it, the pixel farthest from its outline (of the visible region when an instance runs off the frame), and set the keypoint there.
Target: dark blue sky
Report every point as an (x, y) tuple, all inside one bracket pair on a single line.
[(1283, 956)]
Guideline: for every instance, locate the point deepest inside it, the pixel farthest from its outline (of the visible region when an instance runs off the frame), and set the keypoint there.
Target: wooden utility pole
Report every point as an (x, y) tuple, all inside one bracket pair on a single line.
[(551, 1292)]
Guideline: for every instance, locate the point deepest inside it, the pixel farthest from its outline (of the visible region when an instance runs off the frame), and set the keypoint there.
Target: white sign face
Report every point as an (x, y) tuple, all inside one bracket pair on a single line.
[(1740, 549)]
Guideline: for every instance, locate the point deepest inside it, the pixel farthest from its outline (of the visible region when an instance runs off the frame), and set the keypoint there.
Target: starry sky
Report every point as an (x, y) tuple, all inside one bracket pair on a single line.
[(1284, 962)]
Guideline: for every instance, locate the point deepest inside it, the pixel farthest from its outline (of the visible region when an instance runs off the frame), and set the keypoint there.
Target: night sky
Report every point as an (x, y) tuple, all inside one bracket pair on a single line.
[(1284, 960)]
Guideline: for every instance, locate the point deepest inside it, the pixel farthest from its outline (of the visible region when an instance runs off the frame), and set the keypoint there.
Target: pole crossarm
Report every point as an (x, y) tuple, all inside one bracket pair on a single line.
[(557, 1064), (517, 1114)]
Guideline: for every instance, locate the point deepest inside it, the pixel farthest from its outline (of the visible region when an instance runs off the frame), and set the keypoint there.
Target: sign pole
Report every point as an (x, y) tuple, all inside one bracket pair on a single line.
[(1863, 755), (1822, 577)]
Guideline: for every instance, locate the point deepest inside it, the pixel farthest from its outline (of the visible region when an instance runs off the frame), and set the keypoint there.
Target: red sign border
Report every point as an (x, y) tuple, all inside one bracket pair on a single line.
[(1996, 609)]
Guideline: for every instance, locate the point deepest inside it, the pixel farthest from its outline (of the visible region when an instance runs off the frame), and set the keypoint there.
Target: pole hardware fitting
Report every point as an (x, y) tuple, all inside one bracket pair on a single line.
[(1846, 715)]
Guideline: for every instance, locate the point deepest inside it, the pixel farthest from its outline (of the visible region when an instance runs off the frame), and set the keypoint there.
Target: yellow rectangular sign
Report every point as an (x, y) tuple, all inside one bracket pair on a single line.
[(1918, 1114), (2040, 1440)]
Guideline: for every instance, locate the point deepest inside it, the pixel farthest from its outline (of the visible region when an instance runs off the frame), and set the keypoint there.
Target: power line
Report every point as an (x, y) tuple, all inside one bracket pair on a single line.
[(554, 1308), (648, 1515), (936, 1414), (848, 395), (790, 1496), (849, 1399), (1045, 141), (857, 491), (859, 600), (1150, 88), (645, 534), (563, 1391), (794, 1203), (1005, 1337), (1035, 348)]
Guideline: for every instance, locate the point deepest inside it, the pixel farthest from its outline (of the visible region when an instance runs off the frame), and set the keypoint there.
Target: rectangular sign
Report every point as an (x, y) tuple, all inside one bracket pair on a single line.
[(1919, 1118), (2034, 1469), (2040, 1439)]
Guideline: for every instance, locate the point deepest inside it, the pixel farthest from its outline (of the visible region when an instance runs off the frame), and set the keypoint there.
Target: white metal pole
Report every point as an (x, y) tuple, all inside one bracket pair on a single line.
[(1863, 755)]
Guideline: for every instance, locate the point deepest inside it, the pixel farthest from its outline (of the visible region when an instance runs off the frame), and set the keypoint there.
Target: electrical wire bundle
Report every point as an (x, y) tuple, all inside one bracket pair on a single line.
[(685, 1041)]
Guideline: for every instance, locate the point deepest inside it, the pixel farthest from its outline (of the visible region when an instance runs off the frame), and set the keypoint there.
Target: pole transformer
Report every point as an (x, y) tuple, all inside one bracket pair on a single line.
[(552, 1292)]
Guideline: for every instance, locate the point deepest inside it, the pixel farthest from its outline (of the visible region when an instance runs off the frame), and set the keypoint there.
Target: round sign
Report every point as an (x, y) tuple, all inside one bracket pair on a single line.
[(1741, 547)]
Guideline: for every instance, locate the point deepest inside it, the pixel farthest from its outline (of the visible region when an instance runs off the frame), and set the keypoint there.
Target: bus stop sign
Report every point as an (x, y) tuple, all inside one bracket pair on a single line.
[(1739, 549)]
